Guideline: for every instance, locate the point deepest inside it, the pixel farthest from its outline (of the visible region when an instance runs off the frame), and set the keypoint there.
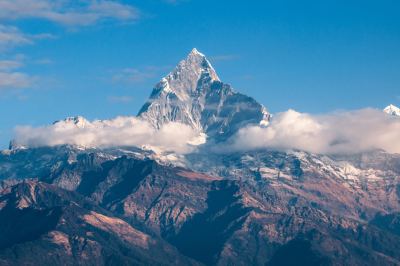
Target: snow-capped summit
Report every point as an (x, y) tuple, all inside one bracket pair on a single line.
[(182, 81), (79, 121), (392, 110), (193, 94)]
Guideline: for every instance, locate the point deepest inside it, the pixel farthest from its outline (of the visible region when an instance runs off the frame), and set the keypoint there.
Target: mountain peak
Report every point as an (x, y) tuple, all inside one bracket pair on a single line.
[(196, 63), (181, 83), (195, 52), (392, 110), (193, 94), (79, 121)]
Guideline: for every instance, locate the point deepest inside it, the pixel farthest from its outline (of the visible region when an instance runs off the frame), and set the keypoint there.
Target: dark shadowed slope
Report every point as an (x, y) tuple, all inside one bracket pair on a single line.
[(45, 225)]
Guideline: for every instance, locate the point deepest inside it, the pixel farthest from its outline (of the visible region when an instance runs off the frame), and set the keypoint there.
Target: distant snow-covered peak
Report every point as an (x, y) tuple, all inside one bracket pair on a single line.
[(79, 121), (392, 110)]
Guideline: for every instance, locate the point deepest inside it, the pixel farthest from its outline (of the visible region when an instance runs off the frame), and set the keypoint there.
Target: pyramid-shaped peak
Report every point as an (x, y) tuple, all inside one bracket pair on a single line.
[(182, 81), (195, 52), (192, 94), (195, 63)]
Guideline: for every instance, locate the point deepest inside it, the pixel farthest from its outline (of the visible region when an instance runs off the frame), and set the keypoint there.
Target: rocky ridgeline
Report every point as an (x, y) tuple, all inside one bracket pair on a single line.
[(132, 211)]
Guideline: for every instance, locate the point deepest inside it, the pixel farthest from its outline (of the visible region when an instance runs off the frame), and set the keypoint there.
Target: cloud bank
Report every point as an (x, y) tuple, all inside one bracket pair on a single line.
[(120, 132), (337, 133)]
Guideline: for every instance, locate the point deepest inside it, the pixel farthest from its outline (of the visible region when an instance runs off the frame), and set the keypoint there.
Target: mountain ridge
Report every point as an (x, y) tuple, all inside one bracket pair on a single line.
[(142, 206)]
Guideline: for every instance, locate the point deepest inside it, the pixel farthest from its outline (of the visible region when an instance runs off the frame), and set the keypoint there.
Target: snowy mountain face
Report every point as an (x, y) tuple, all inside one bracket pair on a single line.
[(392, 110), (193, 94)]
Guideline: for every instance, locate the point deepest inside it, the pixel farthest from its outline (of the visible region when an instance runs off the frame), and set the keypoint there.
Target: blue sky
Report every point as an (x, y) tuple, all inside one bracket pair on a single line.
[(100, 59)]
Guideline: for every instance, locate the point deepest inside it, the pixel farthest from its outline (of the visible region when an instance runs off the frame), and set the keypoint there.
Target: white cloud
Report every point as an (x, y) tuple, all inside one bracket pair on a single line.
[(128, 70), (44, 36), (114, 10), (222, 57), (114, 99), (155, 68), (42, 61), (136, 78), (23, 97), (340, 133), (16, 80), (172, 137), (142, 77), (19, 57), (136, 75), (117, 78), (247, 77), (67, 12), (7, 65), (175, 2), (10, 35)]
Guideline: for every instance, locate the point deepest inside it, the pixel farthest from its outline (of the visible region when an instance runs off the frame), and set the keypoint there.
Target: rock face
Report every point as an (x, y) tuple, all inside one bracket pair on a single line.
[(357, 187), (210, 221), (45, 225), (193, 94)]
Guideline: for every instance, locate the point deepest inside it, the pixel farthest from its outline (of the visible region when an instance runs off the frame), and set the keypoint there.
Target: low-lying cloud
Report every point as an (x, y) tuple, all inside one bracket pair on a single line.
[(338, 133), (120, 132)]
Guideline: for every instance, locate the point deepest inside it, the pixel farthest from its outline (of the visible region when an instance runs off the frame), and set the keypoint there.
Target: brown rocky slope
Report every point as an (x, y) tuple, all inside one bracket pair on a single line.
[(217, 221)]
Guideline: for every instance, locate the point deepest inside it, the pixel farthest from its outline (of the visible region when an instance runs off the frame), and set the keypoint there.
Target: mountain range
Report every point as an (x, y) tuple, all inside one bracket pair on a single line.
[(138, 205)]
